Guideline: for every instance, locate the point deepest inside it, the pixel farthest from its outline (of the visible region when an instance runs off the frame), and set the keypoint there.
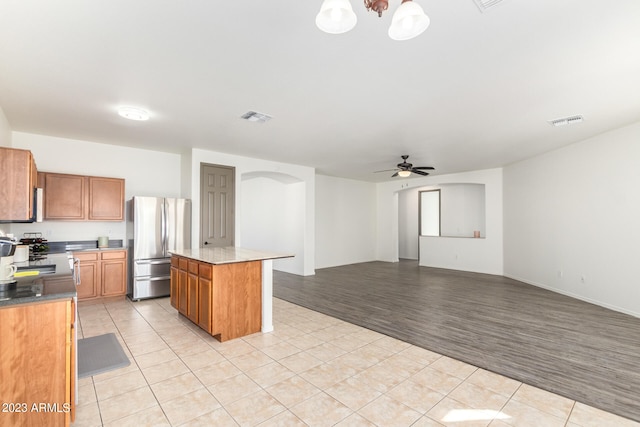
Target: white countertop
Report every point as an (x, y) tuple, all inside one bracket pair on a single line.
[(228, 255)]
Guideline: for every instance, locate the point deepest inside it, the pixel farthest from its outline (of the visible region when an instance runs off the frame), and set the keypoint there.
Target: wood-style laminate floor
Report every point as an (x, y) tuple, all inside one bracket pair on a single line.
[(579, 350)]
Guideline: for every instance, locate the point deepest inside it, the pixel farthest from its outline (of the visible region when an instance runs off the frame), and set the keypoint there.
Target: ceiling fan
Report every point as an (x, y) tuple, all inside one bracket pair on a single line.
[(405, 169)]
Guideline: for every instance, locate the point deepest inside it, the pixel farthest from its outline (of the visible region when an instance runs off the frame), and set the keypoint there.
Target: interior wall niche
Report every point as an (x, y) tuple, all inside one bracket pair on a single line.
[(461, 210)]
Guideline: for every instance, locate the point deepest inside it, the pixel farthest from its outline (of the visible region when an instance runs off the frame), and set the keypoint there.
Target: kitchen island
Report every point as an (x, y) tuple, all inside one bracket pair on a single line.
[(227, 291)]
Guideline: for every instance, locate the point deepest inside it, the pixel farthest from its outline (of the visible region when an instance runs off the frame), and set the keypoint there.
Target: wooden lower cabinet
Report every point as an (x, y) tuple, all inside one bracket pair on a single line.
[(174, 282), (113, 273), (89, 275), (102, 273), (192, 291), (37, 364), (205, 292), (225, 300)]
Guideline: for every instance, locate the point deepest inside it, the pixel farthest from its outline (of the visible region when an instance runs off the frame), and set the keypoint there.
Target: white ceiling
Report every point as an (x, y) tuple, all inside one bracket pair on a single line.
[(474, 91)]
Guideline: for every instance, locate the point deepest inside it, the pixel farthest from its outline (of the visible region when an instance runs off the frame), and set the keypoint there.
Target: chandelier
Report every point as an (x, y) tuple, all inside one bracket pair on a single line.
[(409, 20)]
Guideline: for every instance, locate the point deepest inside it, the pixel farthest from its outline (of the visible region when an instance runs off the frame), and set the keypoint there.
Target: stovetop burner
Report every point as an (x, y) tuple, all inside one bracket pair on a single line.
[(8, 285)]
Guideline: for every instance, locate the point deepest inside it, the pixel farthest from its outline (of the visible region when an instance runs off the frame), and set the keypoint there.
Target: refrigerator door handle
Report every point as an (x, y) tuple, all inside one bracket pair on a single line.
[(163, 227), (152, 279), (163, 261)]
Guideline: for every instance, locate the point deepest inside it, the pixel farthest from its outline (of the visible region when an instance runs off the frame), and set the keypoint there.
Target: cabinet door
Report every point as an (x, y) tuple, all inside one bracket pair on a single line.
[(71, 372), (88, 286), (17, 180), (65, 196), (36, 367), (182, 291), (106, 199), (114, 276), (113, 270), (204, 297), (174, 286), (192, 296)]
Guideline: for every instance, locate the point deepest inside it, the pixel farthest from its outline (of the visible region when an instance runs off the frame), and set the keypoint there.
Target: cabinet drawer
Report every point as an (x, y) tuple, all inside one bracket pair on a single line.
[(86, 256), (114, 255), (183, 263), (175, 261), (205, 271)]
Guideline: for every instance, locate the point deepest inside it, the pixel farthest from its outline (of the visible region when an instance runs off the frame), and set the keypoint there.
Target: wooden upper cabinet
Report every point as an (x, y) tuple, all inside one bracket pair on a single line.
[(18, 178), (65, 196), (82, 198), (106, 199)]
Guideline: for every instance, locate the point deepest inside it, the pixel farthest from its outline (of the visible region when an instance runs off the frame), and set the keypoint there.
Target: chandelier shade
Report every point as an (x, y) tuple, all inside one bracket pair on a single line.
[(408, 21), (336, 17)]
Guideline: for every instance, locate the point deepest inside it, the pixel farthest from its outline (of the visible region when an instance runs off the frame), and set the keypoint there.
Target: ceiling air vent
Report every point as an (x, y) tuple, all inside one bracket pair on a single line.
[(567, 121), (253, 116), (484, 5)]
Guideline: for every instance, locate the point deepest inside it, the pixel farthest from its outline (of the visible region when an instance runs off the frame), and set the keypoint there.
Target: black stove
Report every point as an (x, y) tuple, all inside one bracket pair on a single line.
[(31, 291)]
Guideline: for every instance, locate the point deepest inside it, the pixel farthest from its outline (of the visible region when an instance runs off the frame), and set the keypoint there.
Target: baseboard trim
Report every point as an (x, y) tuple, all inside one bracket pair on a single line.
[(573, 295)]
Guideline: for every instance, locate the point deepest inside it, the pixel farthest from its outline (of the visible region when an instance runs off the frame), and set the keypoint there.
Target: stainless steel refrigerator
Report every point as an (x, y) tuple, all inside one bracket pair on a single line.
[(155, 226)]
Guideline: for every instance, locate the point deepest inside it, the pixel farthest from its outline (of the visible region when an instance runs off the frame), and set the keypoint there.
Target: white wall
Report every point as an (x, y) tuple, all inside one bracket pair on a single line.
[(462, 212), (146, 173), (5, 130), (5, 141), (345, 221), (574, 213), (408, 230), (246, 213), (279, 227), (455, 253)]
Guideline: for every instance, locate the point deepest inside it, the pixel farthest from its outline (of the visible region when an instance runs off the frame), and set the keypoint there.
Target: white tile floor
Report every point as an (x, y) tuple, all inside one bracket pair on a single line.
[(313, 370)]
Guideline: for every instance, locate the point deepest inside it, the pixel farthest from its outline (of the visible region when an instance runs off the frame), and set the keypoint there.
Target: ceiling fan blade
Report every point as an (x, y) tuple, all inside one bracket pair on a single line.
[(394, 175), (419, 172), (425, 167)]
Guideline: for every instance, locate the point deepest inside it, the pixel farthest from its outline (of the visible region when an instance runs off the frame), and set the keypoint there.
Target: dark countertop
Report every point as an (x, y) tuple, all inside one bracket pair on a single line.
[(81, 245), (43, 287)]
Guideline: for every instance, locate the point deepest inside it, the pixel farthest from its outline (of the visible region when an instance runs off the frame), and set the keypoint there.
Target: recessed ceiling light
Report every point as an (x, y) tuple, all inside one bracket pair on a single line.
[(133, 113)]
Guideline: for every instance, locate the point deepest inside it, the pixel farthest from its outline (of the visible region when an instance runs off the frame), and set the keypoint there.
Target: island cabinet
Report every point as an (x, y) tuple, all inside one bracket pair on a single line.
[(18, 178), (225, 299), (82, 198), (103, 273), (37, 364)]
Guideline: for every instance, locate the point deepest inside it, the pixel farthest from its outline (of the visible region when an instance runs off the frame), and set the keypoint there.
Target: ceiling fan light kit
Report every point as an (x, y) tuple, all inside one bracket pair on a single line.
[(404, 169), (336, 17), (409, 20)]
